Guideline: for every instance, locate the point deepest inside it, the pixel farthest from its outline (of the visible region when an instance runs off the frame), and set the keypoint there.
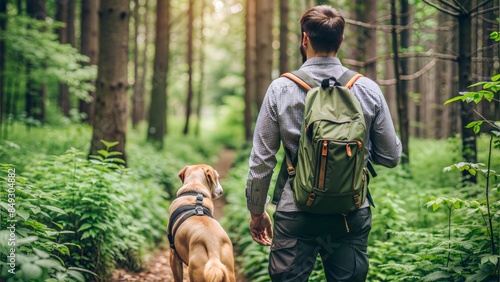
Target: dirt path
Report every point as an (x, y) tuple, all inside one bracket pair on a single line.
[(157, 264)]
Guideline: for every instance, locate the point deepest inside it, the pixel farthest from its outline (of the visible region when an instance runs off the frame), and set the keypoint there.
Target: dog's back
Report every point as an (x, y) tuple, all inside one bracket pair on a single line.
[(200, 241)]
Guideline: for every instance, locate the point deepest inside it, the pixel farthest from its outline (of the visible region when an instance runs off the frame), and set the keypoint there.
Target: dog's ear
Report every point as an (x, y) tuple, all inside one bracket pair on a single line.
[(182, 173), (211, 176)]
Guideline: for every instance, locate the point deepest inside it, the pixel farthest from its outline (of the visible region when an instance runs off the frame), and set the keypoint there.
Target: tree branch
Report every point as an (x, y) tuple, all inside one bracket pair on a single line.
[(461, 7), (426, 68), (479, 6), (418, 54), (398, 27), (448, 12), (484, 12), (428, 54)]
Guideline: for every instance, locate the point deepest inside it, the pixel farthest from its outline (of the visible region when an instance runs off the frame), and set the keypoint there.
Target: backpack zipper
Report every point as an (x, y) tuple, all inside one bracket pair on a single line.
[(322, 167)]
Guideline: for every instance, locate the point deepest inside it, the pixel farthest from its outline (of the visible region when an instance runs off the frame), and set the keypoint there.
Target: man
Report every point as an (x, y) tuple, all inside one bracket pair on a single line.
[(299, 236)]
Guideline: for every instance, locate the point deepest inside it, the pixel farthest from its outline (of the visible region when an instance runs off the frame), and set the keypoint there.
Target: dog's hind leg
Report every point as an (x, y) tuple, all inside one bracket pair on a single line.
[(176, 265)]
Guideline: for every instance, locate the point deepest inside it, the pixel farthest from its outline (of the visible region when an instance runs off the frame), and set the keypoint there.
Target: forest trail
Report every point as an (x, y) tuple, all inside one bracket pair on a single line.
[(157, 264)]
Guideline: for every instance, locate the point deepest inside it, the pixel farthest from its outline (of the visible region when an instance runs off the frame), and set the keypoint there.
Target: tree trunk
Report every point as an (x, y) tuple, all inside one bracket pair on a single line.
[(158, 108), (111, 95), (469, 150), (264, 24), (370, 39), (145, 61), (3, 57), (284, 12), (137, 95), (401, 95), (202, 73), (250, 62), (357, 40), (89, 47), (36, 92), (189, 98), (65, 13)]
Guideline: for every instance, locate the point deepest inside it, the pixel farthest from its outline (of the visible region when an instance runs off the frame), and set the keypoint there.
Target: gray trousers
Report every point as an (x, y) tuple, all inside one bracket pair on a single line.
[(299, 237)]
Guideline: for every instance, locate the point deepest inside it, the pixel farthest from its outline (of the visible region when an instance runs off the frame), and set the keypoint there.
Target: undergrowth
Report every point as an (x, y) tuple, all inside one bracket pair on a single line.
[(78, 219), (414, 235)]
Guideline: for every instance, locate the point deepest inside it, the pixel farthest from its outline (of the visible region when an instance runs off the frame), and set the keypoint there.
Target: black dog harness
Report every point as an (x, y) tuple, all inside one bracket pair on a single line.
[(184, 212)]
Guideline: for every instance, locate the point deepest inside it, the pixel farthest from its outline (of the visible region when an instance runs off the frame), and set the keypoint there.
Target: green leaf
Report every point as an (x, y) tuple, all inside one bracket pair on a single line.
[(31, 272), (50, 264), (26, 240), (490, 258), (54, 209), (82, 270), (496, 77), (436, 275), (23, 214), (41, 253), (477, 84), (115, 153), (84, 226), (77, 275), (477, 128), (109, 144), (495, 36), (103, 153), (116, 160), (457, 98)]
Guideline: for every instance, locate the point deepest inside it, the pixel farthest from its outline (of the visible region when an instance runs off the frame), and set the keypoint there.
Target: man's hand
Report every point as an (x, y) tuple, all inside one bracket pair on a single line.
[(261, 229)]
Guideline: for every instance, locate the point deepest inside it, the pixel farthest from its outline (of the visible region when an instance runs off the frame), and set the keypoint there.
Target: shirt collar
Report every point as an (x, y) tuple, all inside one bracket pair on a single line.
[(322, 61)]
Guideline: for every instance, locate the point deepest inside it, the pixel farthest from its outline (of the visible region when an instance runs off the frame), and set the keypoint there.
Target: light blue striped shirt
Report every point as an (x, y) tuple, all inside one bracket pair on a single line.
[(280, 118)]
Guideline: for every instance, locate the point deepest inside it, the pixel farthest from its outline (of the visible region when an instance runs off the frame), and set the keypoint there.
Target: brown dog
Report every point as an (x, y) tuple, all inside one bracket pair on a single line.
[(197, 239)]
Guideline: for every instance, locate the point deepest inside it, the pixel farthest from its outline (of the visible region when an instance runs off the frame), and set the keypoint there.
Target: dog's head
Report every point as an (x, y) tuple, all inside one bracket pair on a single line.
[(203, 173)]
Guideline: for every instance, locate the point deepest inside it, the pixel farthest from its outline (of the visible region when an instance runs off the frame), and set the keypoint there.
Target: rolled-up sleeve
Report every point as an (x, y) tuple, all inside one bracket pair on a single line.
[(266, 143)]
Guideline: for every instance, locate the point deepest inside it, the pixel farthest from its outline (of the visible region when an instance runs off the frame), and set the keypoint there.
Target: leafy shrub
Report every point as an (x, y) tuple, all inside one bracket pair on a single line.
[(29, 247), (105, 205)]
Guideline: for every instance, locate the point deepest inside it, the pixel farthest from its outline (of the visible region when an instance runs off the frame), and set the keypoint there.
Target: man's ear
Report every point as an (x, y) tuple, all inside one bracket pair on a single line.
[(182, 172), (305, 39)]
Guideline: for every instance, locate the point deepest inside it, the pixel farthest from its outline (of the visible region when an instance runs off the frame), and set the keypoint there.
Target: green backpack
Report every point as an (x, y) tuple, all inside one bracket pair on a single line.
[(329, 174)]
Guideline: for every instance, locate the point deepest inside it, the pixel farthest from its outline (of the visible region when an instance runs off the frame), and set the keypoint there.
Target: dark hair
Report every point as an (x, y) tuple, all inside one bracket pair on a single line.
[(325, 27)]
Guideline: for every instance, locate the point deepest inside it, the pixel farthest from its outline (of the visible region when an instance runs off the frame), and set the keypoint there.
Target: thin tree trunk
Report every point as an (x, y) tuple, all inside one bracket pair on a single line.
[(35, 91), (137, 96), (189, 98), (111, 95), (469, 150), (62, 15), (158, 109), (250, 62), (284, 14), (89, 47), (3, 57), (357, 41), (142, 76), (202, 73), (264, 24), (400, 93), (370, 40)]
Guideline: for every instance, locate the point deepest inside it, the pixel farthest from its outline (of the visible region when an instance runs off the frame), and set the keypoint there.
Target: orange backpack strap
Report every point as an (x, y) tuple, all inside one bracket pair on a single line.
[(348, 78), (302, 79)]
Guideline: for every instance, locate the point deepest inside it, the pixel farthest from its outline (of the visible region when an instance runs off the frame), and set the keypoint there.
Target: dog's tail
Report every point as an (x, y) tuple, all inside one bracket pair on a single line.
[(215, 271)]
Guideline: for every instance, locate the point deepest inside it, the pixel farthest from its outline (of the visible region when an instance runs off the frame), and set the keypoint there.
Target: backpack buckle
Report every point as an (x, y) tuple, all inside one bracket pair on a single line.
[(291, 170)]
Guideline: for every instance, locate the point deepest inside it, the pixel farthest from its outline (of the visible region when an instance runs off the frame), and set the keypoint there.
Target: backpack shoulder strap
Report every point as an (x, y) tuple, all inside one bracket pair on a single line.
[(302, 79), (348, 78)]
